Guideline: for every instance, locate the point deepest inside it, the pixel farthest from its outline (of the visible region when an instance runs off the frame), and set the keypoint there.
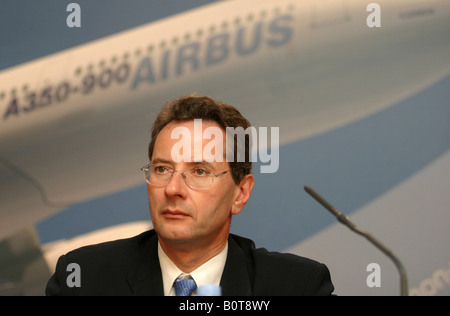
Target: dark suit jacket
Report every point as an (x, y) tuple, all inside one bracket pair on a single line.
[(131, 267)]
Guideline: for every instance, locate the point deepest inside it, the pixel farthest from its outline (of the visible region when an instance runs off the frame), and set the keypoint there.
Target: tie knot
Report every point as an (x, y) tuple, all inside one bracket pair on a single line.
[(184, 285)]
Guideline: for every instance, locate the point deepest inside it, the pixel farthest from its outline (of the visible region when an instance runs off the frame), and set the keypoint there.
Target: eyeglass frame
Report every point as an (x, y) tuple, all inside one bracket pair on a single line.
[(183, 174)]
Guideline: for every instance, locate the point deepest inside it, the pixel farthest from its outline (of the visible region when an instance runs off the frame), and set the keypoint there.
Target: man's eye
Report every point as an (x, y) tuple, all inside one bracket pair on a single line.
[(200, 172), (160, 169)]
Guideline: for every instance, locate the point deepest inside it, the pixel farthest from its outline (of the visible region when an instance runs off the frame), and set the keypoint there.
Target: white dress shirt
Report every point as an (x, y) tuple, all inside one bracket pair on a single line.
[(208, 273)]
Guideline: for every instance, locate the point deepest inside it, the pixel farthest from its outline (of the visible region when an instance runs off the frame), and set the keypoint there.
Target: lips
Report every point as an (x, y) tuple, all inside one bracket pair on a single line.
[(174, 214)]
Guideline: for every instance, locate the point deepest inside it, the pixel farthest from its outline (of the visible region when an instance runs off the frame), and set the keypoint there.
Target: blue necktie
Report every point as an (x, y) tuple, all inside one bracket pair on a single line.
[(184, 285)]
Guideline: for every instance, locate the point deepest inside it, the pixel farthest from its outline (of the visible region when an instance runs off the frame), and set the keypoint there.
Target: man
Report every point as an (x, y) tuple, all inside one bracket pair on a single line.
[(193, 194)]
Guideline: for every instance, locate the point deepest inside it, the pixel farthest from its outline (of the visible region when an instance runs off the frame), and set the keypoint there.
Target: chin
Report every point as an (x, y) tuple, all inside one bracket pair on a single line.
[(175, 233)]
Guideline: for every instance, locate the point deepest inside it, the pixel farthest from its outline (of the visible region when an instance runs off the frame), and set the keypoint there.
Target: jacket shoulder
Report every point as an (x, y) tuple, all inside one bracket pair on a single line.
[(288, 274), (285, 274), (111, 247), (99, 265), (117, 253)]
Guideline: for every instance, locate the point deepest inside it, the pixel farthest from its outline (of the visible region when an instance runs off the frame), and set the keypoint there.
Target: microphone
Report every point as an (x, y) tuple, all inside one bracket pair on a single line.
[(346, 221)]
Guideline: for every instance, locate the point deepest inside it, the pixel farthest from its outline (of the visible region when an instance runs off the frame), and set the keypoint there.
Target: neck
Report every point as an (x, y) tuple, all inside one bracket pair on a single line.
[(188, 257)]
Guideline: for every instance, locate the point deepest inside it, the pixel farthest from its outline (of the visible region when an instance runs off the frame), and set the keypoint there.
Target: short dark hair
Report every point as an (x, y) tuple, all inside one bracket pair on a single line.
[(192, 107)]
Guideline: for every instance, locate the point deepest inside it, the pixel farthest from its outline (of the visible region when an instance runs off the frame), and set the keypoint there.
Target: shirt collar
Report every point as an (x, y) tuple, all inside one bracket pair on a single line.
[(208, 273)]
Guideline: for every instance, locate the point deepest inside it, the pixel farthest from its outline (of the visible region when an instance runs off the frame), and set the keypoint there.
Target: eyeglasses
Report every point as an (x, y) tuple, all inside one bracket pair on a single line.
[(196, 178)]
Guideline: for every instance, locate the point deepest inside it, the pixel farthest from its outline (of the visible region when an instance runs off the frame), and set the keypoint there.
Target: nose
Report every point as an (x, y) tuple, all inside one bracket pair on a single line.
[(176, 186)]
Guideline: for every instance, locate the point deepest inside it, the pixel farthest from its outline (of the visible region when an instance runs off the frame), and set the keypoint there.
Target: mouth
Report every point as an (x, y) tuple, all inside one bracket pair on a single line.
[(174, 214)]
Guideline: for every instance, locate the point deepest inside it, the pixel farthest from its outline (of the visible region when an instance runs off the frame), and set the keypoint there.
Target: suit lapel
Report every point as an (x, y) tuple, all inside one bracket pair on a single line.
[(146, 278), (236, 277)]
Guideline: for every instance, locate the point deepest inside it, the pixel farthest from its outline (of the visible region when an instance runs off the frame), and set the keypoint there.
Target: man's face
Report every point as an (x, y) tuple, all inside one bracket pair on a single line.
[(181, 214)]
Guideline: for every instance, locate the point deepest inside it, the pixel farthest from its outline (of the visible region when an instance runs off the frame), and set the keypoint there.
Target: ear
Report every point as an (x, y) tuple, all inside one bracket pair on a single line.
[(244, 189)]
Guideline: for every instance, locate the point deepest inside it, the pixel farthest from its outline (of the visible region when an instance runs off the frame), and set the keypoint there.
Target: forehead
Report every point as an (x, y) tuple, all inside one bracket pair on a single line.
[(191, 139)]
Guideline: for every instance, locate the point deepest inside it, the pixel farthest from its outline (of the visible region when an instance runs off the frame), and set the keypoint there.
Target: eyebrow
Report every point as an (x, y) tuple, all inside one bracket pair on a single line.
[(193, 163), (160, 160)]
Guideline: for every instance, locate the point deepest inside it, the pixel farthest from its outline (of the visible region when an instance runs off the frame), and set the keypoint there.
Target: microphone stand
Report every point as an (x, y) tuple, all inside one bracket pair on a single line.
[(346, 221)]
